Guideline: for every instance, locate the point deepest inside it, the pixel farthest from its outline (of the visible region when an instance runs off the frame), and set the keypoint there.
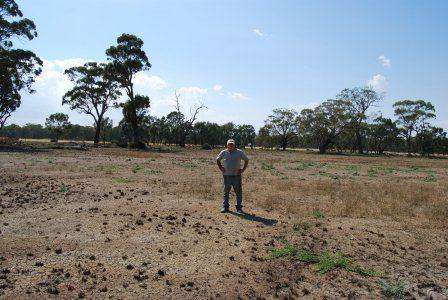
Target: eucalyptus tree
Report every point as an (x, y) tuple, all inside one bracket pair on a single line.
[(413, 116), (93, 93), (383, 134), (57, 124), (18, 67), (323, 125), (128, 58), (282, 123), (360, 99)]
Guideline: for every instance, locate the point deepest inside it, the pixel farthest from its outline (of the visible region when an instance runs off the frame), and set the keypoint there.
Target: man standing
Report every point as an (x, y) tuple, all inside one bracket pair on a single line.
[(231, 170)]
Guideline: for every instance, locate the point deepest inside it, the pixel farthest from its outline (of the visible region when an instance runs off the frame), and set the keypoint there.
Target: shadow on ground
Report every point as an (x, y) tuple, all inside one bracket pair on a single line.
[(254, 218)]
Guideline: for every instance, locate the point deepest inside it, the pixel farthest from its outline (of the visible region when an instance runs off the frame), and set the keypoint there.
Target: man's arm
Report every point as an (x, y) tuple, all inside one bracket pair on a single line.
[(218, 162), (246, 162)]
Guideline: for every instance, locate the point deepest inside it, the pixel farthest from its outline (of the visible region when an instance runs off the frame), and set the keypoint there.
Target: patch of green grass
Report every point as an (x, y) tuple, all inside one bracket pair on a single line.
[(318, 214), (288, 251), (325, 262), (363, 272), (414, 169), (328, 262), (352, 168), (430, 176), (122, 180), (390, 290), (372, 172), (63, 188), (307, 256), (137, 168)]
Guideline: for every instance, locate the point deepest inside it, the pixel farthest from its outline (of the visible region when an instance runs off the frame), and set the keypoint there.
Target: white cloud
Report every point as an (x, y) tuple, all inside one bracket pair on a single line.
[(238, 96), (217, 87), (153, 82), (378, 83), (69, 63), (258, 32), (384, 61), (192, 90)]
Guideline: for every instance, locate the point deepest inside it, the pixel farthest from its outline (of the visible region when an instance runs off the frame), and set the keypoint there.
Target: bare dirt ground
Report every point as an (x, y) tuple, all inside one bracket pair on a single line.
[(114, 223)]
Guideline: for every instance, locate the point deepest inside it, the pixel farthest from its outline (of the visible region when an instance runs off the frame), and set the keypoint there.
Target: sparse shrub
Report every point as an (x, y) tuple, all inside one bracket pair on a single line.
[(122, 180), (206, 147), (63, 188), (137, 168), (395, 291), (328, 262), (430, 176), (288, 251), (318, 214)]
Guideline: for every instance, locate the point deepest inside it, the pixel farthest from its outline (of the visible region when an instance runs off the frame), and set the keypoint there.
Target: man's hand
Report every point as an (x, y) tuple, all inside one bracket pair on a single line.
[(240, 171)]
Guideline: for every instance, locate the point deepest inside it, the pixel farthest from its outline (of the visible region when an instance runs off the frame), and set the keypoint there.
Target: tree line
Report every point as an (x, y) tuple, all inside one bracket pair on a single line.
[(339, 124)]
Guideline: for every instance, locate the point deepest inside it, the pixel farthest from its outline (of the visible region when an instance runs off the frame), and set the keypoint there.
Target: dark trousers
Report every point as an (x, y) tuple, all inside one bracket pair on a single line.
[(234, 181)]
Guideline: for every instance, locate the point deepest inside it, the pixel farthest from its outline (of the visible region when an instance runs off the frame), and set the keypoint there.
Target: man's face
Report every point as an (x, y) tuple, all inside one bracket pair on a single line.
[(230, 147)]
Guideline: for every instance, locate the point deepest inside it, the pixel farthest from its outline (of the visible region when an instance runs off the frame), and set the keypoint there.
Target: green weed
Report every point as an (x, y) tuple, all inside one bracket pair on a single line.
[(318, 214), (395, 291), (122, 180), (430, 176), (63, 188), (328, 262), (325, 262)]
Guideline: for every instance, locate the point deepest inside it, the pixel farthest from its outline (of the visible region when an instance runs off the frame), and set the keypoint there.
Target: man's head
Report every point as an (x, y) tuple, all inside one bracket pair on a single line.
[(231, 145)]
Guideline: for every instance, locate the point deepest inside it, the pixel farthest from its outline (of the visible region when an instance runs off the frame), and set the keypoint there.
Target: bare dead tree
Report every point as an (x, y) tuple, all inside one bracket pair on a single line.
[(185, 123)]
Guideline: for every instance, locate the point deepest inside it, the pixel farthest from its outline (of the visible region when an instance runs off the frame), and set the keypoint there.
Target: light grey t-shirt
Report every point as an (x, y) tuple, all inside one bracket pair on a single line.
[(231, 161)]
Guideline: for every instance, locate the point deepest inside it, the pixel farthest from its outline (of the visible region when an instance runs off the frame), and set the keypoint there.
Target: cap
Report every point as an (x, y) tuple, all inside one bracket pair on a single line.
[(230, 141)]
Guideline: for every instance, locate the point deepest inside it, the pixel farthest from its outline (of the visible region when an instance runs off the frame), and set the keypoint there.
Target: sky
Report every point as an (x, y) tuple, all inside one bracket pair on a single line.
[(244, 58)]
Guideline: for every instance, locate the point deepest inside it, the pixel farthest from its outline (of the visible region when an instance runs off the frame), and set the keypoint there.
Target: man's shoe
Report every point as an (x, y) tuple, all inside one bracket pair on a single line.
[(224, 210), (240, 211)]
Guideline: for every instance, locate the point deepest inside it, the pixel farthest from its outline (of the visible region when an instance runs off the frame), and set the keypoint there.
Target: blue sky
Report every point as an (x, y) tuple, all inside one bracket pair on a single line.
[(244, 58)]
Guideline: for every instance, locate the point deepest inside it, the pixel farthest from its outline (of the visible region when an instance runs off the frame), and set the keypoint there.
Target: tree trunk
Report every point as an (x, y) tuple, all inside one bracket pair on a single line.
[(97, 132), (359, 142), (323, 147), (284, 143)]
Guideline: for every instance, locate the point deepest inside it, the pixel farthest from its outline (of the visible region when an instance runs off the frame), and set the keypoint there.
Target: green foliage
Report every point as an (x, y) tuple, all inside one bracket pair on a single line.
[(307, 256), (328, 262), (123, 180), (63, 188), (430, 176), (128, 58), (288, 251), (58, 124), (18, 67), (318, 214), (395, 291), (325, 262), (93, 92), (137, 168), (282, 123)]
